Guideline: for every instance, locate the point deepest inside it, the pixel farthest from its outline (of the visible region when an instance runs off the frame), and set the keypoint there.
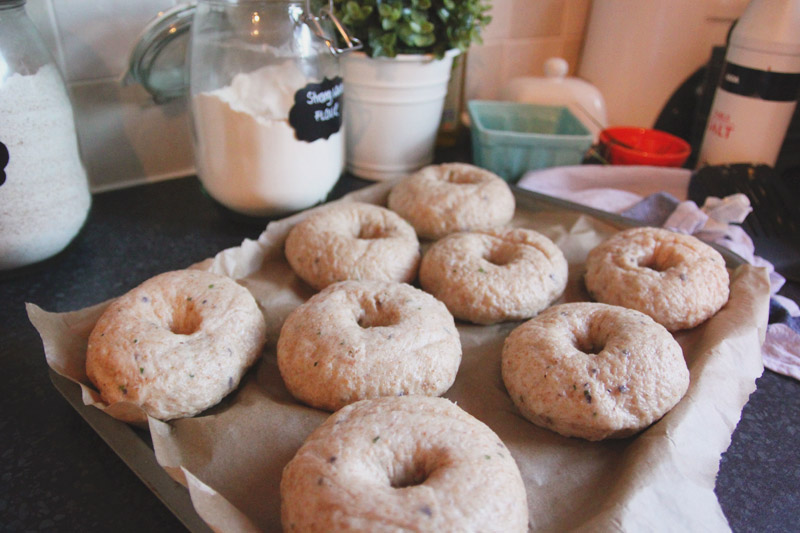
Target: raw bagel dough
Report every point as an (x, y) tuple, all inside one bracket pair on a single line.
[(353, 240), (495, 275), (677, 279), (365, 339), (176, 344), (593, 370), (410, 463), (442, 199)]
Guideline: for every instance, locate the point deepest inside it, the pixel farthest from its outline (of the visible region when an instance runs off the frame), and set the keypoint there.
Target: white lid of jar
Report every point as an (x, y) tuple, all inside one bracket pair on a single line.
[(556, 88)]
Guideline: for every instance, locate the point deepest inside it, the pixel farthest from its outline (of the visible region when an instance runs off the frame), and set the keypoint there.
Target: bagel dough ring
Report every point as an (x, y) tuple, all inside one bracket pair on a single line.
[(411, 463), (676, 279), (491, 276), (365, 339), (353, 241), (176, 344), (593, 370), (442, 199)]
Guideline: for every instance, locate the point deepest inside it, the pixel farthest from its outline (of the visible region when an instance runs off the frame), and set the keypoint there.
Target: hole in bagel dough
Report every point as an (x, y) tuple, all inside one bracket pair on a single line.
[(661, 260), (589, 345), (371, 231), (650, 262), (460, 178), (500, 255), (411, 473), (375, 317), (185, 319)]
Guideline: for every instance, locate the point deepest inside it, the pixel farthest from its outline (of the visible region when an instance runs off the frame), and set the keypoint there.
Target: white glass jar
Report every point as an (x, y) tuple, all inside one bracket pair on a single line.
[(44, 192)]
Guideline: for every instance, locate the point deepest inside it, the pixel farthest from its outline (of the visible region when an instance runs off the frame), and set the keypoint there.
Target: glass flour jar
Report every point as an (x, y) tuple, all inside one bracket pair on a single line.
[(44, 192), (265, 94), (266, 106)]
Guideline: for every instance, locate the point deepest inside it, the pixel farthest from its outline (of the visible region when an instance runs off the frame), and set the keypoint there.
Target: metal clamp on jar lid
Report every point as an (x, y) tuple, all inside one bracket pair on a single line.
[(158, 61), (351, 43)]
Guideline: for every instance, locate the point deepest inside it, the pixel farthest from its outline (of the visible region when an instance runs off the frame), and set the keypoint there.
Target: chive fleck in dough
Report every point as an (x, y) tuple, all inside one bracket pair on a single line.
[(442, 199), (593, 370), (176, 344), (365, 339), (410, 463), (677, 279), (492, 276), (353, 241)]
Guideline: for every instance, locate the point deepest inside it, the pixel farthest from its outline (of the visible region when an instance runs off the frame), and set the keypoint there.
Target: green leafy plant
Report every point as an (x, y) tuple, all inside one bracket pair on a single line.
[(391, 27)]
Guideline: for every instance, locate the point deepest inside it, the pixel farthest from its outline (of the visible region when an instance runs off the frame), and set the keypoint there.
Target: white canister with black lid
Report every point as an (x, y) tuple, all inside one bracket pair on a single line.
[(758, 90)]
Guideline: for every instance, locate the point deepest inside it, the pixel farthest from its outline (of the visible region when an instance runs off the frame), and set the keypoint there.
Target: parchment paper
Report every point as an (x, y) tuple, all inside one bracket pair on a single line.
[(231, 457)]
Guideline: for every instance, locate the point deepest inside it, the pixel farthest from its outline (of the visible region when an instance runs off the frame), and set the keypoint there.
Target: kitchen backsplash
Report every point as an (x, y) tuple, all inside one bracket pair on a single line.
[(126, 138), (523, 34)]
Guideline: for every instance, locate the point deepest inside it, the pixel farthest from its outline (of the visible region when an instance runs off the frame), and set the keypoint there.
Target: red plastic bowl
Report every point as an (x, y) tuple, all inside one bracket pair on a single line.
[(625, 145)]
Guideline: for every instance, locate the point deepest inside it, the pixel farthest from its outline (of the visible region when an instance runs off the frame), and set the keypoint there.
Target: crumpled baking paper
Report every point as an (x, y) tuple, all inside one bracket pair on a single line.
[(231, 457)]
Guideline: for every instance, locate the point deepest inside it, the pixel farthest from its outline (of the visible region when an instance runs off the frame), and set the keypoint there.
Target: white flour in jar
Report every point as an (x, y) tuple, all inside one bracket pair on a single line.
[(44, 196), (247, 155)]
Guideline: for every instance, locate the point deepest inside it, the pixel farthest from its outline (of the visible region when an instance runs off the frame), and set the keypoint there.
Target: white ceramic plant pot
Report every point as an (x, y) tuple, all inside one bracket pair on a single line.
[(392, 111)]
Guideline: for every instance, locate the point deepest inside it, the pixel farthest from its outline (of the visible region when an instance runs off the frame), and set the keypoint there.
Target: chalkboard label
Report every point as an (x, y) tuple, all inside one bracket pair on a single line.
[(4, 160), (317, 110)]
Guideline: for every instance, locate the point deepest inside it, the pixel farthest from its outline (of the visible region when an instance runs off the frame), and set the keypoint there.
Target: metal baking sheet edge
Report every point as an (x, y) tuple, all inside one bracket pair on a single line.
[(136, 453), (530, 199)]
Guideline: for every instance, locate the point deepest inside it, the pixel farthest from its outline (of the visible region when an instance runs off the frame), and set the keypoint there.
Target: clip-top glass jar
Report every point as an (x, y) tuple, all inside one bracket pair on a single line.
[(44, 192), (266, 100)]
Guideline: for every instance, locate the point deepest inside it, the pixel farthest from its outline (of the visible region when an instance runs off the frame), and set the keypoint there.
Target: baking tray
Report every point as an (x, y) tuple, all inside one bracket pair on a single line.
[(534, 201), (135, 449), (134, 446)]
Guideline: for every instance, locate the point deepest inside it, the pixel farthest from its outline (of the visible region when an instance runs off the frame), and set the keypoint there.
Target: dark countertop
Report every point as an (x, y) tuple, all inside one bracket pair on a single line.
[(57, 474)]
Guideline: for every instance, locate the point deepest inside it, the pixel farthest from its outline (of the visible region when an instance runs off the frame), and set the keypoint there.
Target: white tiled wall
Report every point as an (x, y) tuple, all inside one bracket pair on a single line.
[(126, 138), (523, 34)]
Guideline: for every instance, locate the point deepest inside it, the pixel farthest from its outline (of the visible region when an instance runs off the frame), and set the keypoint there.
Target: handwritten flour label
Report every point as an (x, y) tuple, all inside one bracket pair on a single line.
[(317, 110), (4, 160)]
